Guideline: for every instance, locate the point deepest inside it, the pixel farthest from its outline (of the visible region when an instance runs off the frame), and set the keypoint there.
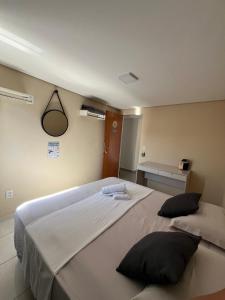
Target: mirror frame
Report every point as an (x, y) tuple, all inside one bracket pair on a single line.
[(42, 121)]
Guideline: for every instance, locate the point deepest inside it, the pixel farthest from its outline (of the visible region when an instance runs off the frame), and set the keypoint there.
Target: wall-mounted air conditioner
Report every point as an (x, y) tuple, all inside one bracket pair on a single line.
[(89, 111), (14, 95)]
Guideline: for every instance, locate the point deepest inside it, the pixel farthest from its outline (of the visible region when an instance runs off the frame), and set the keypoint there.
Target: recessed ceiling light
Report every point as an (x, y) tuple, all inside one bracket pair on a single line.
[(17, 42), (137, 110), (128, 78)]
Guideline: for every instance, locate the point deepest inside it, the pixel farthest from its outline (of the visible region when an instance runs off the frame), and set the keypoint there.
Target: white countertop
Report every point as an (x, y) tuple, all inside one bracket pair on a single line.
[(158, 168)]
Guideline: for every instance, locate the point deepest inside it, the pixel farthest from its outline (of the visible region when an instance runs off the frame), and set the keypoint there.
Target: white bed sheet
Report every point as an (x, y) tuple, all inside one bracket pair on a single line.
[(91, 273)]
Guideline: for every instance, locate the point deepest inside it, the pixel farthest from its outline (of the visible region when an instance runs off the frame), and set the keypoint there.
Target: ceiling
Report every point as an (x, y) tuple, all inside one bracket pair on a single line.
[(175, 47)]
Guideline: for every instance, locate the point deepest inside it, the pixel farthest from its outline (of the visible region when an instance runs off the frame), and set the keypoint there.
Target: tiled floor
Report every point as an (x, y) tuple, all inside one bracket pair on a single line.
[(128, 175), (12, 286)]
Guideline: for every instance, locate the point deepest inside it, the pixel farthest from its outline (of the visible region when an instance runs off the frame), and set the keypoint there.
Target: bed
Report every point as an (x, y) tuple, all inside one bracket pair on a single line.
[(70, 243)]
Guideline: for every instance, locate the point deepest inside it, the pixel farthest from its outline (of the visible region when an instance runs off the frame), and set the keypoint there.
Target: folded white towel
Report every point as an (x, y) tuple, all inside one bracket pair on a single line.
[(115, 188), (121, 196)]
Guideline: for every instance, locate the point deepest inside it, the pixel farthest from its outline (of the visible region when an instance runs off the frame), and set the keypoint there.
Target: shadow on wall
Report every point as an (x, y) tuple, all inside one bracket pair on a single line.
[(17, 84), (197, 183)]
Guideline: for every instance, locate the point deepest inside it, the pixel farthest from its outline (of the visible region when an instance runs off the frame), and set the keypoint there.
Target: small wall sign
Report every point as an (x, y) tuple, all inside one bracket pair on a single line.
[(114, 124), (53, 149)]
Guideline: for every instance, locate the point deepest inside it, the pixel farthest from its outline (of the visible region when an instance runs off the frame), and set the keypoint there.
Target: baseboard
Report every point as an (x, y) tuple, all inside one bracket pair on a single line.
[(135, 170)]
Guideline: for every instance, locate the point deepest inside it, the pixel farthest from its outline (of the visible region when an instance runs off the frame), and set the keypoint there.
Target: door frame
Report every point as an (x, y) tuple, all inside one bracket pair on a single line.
[(138, 141)]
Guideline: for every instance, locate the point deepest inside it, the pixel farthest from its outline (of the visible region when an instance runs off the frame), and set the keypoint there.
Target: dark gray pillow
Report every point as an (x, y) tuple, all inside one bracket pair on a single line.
[(160, 257), (180, 205)]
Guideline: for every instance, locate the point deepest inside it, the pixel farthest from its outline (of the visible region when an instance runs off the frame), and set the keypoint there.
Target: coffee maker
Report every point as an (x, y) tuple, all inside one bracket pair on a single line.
[(184, 164)]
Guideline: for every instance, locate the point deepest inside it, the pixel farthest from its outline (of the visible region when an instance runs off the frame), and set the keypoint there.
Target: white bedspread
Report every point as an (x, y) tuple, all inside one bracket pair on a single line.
[(91, 273), (62, 234), (59, 236)]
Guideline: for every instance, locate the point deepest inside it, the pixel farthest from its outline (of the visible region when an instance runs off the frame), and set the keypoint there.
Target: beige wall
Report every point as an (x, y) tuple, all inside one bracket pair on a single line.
[(193, 131), (24, 165)]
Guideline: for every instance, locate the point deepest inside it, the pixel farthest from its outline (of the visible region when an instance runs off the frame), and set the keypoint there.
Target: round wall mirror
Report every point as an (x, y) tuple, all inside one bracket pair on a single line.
[(54, 122)]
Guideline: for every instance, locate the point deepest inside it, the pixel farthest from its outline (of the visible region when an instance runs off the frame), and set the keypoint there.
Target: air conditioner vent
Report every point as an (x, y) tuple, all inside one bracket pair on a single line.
[(128, 78), (14, 95), (89, 111)]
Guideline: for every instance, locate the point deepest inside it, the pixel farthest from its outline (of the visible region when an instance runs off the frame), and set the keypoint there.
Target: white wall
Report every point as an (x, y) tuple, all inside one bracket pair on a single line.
[(130, 143)]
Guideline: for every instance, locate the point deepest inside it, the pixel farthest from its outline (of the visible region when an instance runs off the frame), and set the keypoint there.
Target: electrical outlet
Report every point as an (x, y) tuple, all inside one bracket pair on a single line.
[(143, 154), (9, 194)]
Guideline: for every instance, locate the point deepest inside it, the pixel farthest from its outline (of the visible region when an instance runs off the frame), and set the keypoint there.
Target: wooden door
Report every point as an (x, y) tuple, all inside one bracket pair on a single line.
[(113, 129)]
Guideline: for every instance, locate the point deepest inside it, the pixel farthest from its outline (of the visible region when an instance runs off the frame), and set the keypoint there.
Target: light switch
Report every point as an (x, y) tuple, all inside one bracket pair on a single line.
[(9, 194)]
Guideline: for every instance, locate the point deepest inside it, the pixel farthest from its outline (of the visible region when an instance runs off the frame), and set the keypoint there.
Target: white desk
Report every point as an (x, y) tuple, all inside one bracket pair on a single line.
[(168, 179)]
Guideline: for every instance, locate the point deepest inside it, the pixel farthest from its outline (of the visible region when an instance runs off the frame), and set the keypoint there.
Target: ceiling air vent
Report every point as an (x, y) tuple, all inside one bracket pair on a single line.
[(128, 78)]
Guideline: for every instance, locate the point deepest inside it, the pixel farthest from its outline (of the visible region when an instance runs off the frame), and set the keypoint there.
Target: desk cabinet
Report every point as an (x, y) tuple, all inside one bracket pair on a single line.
[(168, 179)]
